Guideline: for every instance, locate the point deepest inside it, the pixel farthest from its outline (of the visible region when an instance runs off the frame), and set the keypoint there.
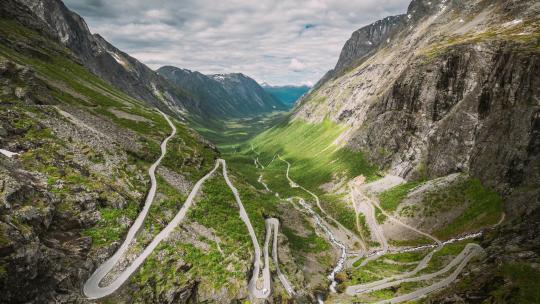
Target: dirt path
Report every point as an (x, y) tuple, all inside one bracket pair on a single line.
[(272, 227), (395, 220)]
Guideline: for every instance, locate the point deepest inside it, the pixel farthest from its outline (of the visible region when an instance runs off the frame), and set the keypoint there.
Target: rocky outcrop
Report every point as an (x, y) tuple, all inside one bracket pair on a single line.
[(227, 95), (39, 243), (366, 40), (21, 83), (509, 270)]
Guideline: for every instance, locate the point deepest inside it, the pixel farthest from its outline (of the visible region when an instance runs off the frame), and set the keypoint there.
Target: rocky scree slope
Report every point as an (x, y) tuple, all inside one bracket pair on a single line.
[(451, 86), (224, 95)]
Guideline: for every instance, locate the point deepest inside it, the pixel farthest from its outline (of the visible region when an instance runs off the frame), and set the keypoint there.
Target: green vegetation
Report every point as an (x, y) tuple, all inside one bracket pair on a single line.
[(314, 161), (109, 229), (310, 149), (443, 256), (523, 284), (166, 205), (358, 262), (377, 269), (526, 34), (339, 209), (379, 216), (390, 199), (364, 229), (217, 210), (226, 133), (312, 243), (392, 292), (406, 257), (483, 207), (182, 263)]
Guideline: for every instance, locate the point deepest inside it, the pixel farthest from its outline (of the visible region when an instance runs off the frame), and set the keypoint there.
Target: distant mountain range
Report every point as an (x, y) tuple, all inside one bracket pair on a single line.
[(226, 95), (288, 94)]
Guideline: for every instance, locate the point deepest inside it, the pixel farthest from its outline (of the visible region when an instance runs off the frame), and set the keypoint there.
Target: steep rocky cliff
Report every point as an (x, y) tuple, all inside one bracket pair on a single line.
[(450, 89), (428, 102), (228, 95)]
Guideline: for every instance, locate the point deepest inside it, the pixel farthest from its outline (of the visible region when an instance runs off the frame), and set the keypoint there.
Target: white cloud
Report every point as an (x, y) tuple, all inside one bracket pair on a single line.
[(296, 65), (265, 39)]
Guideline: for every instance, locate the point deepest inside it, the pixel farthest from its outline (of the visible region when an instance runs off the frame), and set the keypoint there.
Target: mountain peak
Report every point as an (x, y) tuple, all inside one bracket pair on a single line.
[(223, 95)]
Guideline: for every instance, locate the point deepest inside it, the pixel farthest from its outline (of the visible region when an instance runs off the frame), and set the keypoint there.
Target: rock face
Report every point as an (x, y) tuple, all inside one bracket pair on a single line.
[(433, 91), (367, 39), (12, 76), (229, 95)]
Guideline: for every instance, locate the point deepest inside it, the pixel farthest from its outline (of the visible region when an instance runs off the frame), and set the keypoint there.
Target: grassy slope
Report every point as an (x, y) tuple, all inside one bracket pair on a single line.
[(224, 133), (310, 149), (484, 207), (314, 158)]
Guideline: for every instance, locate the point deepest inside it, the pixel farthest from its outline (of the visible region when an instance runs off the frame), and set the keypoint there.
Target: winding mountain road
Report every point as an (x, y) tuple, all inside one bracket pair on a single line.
[(91, 288), (468, 252), (460, 261), (259, 287), (7, 153), (367, 207), (463, 259), (272, 227), (260, 180)]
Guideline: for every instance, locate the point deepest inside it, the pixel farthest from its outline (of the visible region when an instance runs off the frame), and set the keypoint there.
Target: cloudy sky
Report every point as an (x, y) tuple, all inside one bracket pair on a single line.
[(274, 41)]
